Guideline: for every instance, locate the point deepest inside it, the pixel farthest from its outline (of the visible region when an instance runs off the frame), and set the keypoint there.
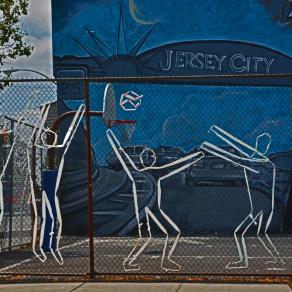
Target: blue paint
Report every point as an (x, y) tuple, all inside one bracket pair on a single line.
[(199, 37), (247, 20), (49, 178)]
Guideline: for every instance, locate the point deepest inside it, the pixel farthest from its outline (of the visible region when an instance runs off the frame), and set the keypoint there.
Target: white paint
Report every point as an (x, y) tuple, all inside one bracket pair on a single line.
[(130, 101), (17, 132), (128, 263), (41, 143), (244, 160)]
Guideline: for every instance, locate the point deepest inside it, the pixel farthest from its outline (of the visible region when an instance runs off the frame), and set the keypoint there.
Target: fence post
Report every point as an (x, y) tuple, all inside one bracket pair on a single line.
[(10, 183), (89, 179)]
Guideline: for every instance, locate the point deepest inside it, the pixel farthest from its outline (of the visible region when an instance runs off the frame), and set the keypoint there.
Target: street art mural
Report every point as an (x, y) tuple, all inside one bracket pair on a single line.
[(95, 38), (51, 227), (180, 165), (253, 164)]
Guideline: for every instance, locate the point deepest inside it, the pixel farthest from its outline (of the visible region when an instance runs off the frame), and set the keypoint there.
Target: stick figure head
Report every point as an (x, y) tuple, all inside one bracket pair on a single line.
[(263, 143), (147, 157), (44, 137)]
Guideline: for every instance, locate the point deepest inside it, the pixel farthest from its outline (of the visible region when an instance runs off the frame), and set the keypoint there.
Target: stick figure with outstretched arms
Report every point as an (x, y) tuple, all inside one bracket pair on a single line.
[(162, 220), (252, 160)]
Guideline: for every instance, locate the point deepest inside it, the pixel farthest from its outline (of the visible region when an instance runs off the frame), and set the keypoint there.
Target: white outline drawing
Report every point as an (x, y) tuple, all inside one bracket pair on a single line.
[(249, 164), (40, 125), (17, 133), (132, 98), (131, 258), (45, 201)]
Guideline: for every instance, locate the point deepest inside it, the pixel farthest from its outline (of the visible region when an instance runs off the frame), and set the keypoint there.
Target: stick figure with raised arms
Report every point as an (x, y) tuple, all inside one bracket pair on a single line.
[(162, 220), (253, 164)]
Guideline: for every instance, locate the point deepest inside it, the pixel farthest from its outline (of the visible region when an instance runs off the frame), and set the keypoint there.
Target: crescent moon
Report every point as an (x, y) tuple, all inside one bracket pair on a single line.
[(135, 11)]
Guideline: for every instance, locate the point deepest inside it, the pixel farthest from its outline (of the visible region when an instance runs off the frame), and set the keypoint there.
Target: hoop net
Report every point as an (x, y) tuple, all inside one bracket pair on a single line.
[(126, 127)]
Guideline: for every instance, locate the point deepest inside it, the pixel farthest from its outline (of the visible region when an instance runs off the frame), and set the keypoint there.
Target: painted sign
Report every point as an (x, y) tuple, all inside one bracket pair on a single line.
[(82, 47)]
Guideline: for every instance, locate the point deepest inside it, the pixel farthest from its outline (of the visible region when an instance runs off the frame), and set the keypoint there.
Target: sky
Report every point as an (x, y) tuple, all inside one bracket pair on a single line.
[(38, 25)]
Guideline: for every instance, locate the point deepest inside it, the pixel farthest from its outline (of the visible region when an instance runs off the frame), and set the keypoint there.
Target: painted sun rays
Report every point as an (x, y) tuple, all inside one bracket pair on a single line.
[(100, 52)]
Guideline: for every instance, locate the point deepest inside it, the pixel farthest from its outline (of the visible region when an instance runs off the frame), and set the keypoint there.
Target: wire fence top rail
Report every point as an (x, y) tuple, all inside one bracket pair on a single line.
[(157, 79)]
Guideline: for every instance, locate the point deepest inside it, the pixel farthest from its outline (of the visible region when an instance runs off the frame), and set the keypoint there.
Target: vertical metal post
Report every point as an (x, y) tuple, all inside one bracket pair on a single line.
[(32, 162), (9, 177), (89, 179)]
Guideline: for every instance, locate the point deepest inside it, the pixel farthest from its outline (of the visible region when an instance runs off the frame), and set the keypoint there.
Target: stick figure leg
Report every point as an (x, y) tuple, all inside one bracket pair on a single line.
[(267, 242), (176, 267), (241, 246), (162, 220), (132, 265)]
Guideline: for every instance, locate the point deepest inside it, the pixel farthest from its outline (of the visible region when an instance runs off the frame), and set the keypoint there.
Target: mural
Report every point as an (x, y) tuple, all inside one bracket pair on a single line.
[(51, 217), (253, 164), (177, 38), (281, 11), (180, 165)]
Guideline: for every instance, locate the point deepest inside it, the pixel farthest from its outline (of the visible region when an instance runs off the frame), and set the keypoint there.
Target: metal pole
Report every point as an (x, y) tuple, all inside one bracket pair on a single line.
[(89, 180), (32, 165), (9, 177)]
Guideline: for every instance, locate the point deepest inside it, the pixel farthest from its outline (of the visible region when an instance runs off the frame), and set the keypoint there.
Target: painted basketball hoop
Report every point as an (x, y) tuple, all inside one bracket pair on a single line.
[(126, 127)]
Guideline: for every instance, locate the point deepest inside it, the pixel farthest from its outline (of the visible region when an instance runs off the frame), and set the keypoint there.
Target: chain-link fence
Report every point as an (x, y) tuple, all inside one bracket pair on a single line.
[(176, 176)]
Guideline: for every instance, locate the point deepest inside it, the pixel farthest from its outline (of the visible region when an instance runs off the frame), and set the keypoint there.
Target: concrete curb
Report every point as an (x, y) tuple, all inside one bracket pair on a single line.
[(143, 287)]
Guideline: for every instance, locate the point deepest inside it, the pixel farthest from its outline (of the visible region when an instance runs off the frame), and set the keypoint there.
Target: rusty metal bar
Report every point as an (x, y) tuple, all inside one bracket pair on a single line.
[(10, 177), (33, 176), (89, 180), (155, 79)]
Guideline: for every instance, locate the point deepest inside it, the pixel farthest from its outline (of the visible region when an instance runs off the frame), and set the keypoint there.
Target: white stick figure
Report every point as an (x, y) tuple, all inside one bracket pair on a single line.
[(46, 205), (17, 133), (254, 163), (38, 127), (129, 263)]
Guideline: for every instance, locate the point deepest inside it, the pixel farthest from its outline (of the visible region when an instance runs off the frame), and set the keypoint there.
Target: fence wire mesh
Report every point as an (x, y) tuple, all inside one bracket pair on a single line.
[(203, 203), (191, 178)]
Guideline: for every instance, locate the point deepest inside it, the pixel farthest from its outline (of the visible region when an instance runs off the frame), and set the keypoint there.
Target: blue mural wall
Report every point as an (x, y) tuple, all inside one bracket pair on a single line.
[(250, 21), (169, 38)]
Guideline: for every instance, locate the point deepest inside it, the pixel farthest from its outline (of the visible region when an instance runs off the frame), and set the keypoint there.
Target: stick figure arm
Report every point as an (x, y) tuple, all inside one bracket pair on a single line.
[(69, 134), (182, 168), (218, 152), (39, 127), (233, 141), (197, 155), (72, 129), (118, 149)]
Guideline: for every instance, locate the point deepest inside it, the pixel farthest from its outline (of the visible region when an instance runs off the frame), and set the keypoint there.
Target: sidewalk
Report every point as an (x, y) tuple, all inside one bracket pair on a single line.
[(143, 287)]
